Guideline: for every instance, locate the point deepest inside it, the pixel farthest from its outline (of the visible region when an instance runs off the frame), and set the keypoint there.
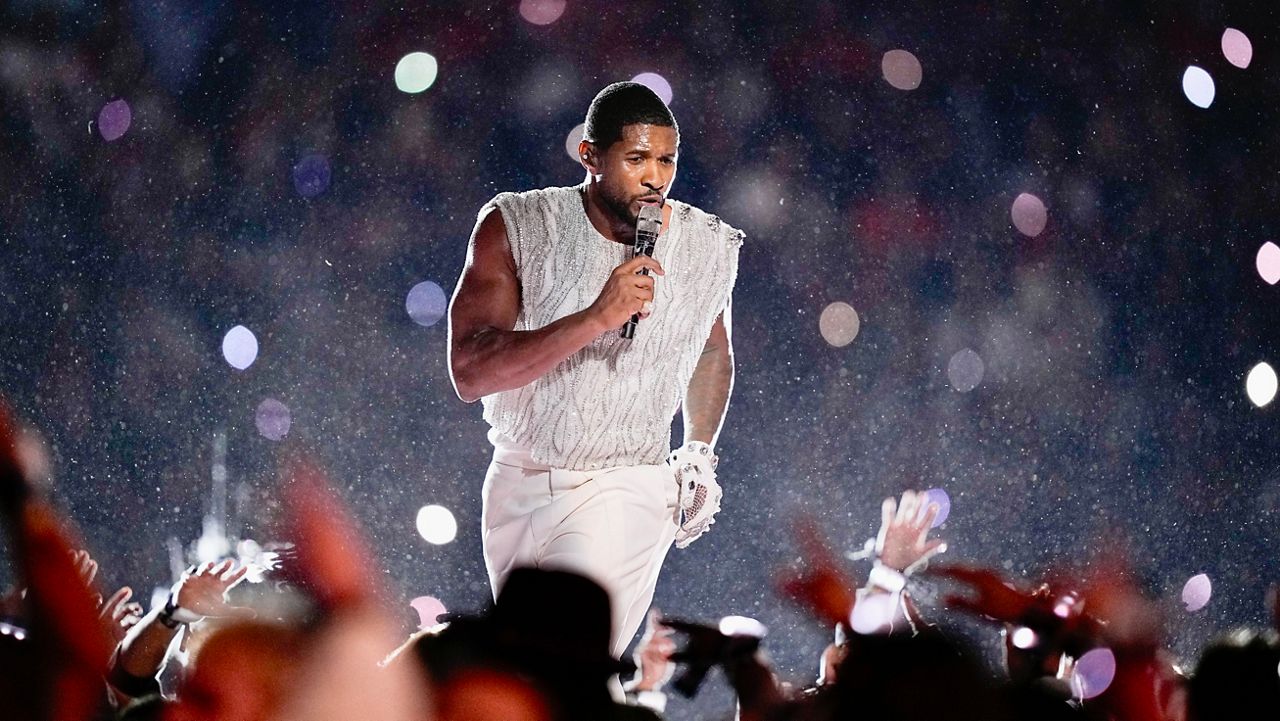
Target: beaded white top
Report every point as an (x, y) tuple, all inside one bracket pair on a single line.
[(611, 403)]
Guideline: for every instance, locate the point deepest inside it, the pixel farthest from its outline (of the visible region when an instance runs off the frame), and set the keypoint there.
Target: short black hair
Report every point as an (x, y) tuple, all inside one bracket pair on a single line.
[(620, 105)]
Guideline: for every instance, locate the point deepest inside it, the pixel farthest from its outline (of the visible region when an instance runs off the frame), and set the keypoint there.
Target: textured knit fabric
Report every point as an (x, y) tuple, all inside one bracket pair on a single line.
[(611, 403)]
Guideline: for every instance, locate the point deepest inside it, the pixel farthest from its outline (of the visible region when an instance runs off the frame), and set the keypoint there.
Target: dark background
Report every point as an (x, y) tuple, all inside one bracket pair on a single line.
[(1115, 343)]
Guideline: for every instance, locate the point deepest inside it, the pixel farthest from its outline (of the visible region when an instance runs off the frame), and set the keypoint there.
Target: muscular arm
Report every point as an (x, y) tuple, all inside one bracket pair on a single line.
[(708, 395), (485, 355)]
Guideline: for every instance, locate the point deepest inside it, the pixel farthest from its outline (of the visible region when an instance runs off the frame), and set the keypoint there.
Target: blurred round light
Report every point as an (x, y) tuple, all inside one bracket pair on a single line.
[(273, 419), (1237, 48), (839, 324), (873, 613), (656, 83), (1028, 214), (426, 303), (1261, 384), (1024, 638), (1198, 86), (1269, 262), (1093, 673), (742, 626), (436, 525), (429, 609), (965, 370), (240, 347), (114, 120), (311, 175), (901, 69), (571, 142), (542, 12), (940, 497), (1196, 592), (416, 72)]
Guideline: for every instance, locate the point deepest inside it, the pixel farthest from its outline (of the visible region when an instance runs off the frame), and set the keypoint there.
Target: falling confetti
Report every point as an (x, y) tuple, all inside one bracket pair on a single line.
[(1268, 262), (1028, 214), (426, 303), (943, 501), (1236, 48), (1260, 385), (273, 419), (1198, 86), (839, 324), (416, 72), (542, 12), (656, 83), (429, 609), (965, 370), (436, 525), (311, 175), (1094, 673), (114, 120)]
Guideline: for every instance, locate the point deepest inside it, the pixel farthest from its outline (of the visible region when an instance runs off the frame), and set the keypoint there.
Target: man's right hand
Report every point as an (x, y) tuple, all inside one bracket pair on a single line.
[(626, 292)]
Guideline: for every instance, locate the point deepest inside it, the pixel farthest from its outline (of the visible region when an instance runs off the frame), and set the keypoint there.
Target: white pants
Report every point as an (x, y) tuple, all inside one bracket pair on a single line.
[(613, 525)]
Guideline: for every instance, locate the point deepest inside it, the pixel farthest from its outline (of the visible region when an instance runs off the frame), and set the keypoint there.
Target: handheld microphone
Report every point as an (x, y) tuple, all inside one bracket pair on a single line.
[(648, 225)]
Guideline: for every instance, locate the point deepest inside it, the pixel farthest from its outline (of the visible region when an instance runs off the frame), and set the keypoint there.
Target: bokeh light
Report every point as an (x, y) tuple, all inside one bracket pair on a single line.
[(1236, 48), (436, 525), (965, 370), (571, 142), (542, 12), (429, 609), (1028, 214), (1094, 672), (1198, 86), (114, 120), (1269, 262), (273, 419), (1196, 592), (839, 324), (940, 497), (901, 69), (240, 347), (426, 303), (1024, 638), (416, 72), (656, 83), (742, 626), (311, 175), (1261, 384)]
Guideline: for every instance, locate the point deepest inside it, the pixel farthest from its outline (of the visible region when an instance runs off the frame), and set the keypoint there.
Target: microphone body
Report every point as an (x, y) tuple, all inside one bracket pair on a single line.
[(648, 225)]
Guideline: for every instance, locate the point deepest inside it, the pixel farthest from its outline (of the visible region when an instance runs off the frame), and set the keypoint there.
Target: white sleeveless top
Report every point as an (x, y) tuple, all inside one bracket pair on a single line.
[(611, 403)]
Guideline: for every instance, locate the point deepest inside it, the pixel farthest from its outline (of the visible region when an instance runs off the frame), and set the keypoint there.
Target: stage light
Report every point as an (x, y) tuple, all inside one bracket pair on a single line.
[(429, 609), (571, 142), (1269, 262), (114, 120), (839, 324), (1196, 592), (656, 83), (436, 525), (1261, 384), (416, 72), (240, 347), (965, 370), (273, 419), (1198, 86), (1237, 48), (1024, 638), (311, 175), (901, 69), (1093, 673), (1028, 214), (742, 626), (426, 303), (542, 12), (940, 497)]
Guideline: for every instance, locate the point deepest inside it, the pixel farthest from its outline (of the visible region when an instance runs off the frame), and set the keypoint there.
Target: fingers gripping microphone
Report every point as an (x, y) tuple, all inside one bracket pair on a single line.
[(648, 225)]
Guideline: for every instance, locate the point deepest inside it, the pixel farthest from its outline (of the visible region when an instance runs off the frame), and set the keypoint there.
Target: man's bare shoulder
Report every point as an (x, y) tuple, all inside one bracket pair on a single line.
[(531, 199)]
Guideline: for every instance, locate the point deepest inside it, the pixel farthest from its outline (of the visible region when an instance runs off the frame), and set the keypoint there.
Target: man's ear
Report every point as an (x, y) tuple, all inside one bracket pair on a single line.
[(589, 157)]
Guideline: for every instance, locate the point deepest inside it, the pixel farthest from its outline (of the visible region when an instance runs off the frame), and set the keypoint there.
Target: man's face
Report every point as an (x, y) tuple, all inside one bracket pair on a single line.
[(636, 170)]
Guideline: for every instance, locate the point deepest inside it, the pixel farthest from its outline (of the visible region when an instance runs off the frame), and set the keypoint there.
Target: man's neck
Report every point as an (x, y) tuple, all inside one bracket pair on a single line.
[(604, 220), (608, 224)]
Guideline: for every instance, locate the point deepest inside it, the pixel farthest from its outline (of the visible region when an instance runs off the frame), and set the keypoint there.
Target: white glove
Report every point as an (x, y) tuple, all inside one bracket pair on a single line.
[(694, 466)]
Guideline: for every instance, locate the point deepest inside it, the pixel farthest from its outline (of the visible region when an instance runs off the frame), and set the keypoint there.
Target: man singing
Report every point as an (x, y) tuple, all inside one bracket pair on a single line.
[(581, 417)]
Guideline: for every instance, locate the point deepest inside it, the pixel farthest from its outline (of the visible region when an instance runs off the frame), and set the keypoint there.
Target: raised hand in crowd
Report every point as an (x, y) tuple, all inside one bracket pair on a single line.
[(821, 586), (903, 540), (654, 666)]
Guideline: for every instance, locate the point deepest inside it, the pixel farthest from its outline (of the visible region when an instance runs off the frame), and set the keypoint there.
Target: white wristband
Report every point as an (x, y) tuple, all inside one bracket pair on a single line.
[(887, 578)]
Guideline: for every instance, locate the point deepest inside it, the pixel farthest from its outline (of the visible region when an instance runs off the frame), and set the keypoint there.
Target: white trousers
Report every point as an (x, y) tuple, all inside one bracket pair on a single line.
[(613, 526)]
